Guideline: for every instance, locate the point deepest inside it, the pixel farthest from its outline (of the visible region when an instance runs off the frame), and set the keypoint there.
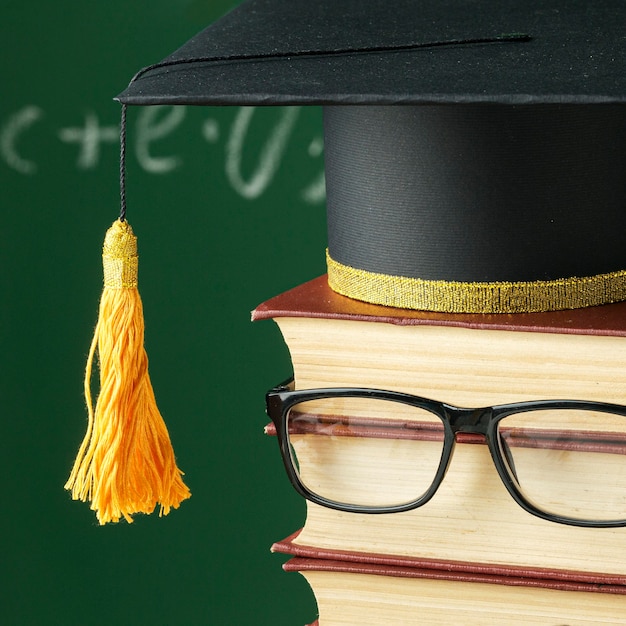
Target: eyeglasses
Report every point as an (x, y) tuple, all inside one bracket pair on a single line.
[(375, 451)]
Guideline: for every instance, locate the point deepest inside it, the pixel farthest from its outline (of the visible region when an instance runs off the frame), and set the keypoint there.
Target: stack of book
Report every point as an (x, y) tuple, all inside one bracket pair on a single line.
[(471, 554)]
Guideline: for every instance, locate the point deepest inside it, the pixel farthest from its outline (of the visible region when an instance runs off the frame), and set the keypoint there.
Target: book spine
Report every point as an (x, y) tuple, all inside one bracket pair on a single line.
[(602, 581), (298, 564)]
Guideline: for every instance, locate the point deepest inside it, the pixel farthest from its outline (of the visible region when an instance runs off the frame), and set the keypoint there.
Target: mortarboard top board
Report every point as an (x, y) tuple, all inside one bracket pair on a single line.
[(475, 150)]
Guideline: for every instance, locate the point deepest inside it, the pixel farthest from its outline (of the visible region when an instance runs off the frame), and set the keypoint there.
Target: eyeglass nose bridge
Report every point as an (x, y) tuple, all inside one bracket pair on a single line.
[(471, 421)]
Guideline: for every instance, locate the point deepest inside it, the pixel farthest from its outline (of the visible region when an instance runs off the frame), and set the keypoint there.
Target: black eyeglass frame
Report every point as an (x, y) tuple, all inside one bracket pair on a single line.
[(482, 421)]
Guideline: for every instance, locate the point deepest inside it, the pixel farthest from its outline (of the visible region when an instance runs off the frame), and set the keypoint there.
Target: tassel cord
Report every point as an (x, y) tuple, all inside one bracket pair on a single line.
[(122, 217)]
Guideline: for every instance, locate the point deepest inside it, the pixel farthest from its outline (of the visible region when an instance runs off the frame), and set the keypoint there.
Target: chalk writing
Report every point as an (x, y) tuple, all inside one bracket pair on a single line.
[(150, 128), (316, 191), (91, 137), (9, 138), (270, 157), (88, 138), (211, 131)]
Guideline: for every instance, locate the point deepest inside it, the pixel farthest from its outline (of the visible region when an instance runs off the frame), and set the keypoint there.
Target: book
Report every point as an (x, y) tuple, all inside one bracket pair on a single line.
[(471, 361), (376, 594), (598, 581), (373, 589)]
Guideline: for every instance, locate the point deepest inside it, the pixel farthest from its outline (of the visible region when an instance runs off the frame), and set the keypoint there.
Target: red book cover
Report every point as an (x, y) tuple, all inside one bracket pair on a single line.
[(316, 299), (310, 557), (298, 564)]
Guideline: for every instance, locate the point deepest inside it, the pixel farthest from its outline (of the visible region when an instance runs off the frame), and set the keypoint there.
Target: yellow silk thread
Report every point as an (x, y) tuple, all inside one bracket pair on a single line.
[(476, 297), (125, 464), (119, 257)]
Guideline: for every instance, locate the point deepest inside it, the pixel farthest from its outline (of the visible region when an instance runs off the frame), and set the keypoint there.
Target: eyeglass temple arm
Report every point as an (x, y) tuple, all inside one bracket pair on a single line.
[(286, 385)]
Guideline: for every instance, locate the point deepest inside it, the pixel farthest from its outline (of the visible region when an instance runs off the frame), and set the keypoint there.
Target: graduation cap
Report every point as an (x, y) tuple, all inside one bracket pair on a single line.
[(475, 150)]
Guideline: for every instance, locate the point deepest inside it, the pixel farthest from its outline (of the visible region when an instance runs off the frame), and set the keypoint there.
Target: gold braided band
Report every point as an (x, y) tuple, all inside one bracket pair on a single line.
[(119, 257), (476, 297)]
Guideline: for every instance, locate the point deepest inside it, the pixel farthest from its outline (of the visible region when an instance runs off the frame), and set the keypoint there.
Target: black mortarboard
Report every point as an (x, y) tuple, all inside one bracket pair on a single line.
[(475, 150)]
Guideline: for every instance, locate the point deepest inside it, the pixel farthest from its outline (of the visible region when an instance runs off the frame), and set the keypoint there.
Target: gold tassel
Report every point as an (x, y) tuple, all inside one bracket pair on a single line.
[(126, 463)]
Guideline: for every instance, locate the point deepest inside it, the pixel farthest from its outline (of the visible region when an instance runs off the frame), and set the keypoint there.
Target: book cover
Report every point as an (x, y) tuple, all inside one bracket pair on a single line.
[(315, 299)]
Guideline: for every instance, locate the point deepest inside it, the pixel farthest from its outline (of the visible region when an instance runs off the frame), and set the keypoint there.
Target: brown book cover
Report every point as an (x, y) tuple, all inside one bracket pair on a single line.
[(311, 557), (316, 299), (365, 593), (298, 564)]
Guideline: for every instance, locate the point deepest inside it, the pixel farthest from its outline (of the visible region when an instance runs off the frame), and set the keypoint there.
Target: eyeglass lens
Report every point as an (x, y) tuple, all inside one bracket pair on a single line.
[(349, 450), (381, 453), (568, 462)]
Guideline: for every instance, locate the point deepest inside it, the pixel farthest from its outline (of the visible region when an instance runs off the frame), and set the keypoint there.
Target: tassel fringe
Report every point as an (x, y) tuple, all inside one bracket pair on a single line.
[(125, 464)]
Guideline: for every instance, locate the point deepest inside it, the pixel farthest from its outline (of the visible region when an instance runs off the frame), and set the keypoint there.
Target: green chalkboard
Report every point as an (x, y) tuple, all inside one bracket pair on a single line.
[(228, 206)]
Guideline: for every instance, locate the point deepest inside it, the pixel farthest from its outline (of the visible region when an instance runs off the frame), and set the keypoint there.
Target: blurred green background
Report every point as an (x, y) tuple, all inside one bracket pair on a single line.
[(227, 216)]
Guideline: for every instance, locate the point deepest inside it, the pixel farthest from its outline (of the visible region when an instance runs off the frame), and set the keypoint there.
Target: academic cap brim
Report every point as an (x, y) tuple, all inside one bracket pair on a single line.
[(273, 52)]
